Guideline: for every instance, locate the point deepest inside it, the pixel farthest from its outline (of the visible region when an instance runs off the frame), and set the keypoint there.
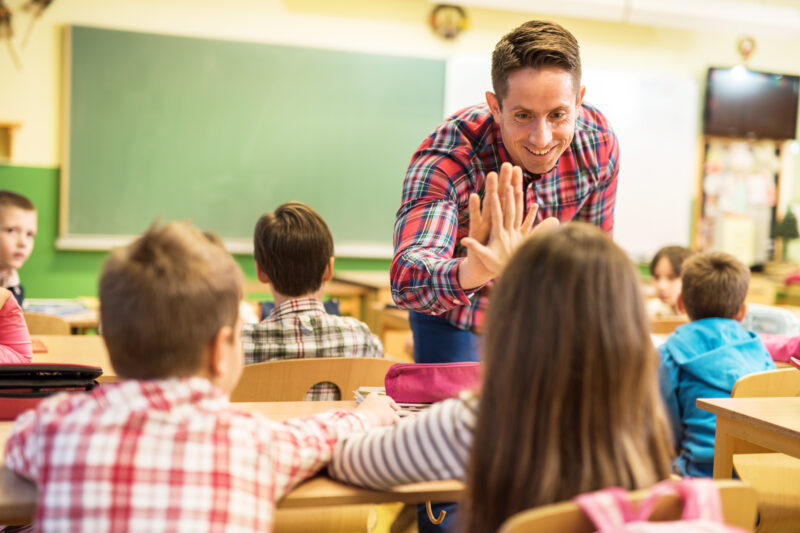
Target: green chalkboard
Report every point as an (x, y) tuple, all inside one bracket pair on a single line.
[(219, 132)]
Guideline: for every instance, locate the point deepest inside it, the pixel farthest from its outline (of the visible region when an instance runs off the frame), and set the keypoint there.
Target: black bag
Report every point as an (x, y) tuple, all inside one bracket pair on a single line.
[(22, 387)]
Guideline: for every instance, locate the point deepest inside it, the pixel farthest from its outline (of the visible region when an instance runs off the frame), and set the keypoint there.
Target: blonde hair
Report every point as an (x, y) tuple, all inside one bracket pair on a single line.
[(163, 298), (570, 400)]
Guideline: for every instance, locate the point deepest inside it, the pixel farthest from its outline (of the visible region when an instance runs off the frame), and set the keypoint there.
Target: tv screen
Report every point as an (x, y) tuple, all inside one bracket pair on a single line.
[(745, 103)]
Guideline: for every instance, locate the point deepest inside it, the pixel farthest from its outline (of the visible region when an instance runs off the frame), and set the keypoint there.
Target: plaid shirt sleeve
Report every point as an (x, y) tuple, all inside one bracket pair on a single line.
[(302, 446), (424, 271), (22, 445)]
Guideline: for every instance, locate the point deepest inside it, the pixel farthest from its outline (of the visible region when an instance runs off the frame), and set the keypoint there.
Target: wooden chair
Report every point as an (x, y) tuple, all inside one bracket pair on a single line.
[(738, 509), (41, 324), (775, 476), (289, 379), (781, 383)]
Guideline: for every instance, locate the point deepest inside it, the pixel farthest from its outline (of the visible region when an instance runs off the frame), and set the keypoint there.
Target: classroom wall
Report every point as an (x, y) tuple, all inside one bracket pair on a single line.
[(32, 96)]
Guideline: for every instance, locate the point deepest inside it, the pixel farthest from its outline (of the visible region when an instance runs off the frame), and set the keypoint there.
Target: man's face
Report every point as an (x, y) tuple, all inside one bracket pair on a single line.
[(537, 119)]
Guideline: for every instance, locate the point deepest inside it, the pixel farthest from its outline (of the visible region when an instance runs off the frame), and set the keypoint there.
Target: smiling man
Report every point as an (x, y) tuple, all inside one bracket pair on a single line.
[(535, 119)]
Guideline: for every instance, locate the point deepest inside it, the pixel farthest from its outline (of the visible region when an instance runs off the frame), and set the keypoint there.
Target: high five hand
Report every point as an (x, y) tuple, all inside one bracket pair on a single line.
[(501, 220)]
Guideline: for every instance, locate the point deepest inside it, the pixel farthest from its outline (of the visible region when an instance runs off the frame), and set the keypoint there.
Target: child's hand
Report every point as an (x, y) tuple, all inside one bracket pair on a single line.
[(379, 410)]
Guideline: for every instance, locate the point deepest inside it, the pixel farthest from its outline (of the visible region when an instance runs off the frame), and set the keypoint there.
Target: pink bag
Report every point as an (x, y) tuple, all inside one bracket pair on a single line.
[(611, 512), (781, 347), (431, 382)]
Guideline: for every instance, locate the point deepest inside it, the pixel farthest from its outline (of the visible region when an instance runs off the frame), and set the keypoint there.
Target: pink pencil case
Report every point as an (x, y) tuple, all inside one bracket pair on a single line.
[(431, 382)]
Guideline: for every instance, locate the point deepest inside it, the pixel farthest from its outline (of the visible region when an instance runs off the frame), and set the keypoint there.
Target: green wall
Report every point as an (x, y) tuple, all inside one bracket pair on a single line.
[(51, 273)]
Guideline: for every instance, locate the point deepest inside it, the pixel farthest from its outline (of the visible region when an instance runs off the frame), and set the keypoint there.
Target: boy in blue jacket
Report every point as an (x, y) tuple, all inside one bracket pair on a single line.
[(704, 358)]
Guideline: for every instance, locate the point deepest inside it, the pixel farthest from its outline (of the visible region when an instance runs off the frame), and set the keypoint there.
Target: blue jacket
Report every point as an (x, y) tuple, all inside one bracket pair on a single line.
[(703, 359)]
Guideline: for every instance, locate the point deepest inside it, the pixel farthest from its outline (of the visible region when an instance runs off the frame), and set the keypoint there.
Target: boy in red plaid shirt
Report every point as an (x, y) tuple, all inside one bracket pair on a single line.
[(163, 450)]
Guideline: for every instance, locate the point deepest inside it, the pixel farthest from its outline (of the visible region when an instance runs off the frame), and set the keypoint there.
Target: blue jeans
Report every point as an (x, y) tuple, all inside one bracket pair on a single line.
[(438, 341)]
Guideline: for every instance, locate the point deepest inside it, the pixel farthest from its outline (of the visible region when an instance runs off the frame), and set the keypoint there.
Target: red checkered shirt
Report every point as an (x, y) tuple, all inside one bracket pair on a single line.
[(301, 328), (165, 455), (452, 163)]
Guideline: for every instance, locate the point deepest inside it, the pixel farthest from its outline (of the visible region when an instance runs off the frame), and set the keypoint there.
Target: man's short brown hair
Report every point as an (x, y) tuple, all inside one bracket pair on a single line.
[(713, 285), (163, 298), (293, 246), (12, 199), (536, 44)]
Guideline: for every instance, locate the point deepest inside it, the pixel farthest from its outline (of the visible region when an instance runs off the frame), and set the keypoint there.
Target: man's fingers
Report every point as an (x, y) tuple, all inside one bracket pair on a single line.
[(530, 218), (509, 216), (497, 210), (506, 170)]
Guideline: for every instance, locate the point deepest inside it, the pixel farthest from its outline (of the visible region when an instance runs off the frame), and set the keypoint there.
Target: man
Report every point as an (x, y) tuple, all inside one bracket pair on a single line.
[(565, 164)]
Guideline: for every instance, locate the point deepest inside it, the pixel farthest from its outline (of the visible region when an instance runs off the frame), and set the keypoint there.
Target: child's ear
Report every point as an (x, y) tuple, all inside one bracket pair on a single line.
[(218, 361), (262, 277), (328, 274), (741, 313), (679, 305)]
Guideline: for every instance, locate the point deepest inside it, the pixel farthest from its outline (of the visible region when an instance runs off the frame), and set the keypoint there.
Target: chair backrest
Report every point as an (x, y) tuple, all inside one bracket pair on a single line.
[(780, 383), (42, 324), (738, 509), (289, 379)]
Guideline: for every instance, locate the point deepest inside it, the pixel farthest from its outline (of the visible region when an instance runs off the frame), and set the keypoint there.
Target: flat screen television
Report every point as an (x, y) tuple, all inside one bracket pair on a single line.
[(746, 103)]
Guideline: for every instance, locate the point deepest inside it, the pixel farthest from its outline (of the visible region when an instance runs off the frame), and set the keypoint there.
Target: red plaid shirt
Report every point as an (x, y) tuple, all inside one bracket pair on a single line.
[(169, 455), (452, 163)]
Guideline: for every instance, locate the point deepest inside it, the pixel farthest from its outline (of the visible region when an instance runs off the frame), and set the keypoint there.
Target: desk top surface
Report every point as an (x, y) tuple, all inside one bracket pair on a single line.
[(76, 350), (372, 279), (781, 415)]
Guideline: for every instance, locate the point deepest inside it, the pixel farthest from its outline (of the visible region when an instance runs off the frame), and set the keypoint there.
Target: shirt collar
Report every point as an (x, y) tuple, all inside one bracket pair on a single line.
[(9, 278), (297, 306)]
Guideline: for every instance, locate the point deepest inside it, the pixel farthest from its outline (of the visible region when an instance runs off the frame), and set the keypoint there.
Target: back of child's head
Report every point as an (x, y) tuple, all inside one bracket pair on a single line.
[(293, 247), (12, 199), (570, 400), (163, 298), (714, 285), (675, 255)]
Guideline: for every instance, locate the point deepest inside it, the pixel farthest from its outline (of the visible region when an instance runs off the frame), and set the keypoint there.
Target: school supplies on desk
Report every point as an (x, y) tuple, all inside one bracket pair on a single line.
[(406, 409), (55, 306), (23, 386), (431, 382)]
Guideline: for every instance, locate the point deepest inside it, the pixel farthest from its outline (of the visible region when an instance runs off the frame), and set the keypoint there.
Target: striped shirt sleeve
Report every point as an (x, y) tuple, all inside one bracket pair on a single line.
[(433, 445)]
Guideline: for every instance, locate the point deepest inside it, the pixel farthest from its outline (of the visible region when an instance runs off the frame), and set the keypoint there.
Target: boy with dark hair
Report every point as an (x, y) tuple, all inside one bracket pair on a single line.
[(703, 359), (17, 231), (294, 255), (163, 450)]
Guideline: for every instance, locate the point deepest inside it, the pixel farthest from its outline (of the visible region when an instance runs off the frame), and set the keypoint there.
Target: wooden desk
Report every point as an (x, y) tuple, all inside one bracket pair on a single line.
[(378, 286), (351, 297), (77, 350), (746, 425), (86, 315), (18, 495)]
